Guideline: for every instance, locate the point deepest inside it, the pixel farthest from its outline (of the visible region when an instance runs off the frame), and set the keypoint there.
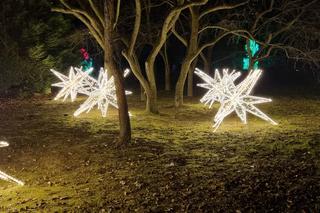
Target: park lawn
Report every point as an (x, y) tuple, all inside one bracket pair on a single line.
[(174, 162)]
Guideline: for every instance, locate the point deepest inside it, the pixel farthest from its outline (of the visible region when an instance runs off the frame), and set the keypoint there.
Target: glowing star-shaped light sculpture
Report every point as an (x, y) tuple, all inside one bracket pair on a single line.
[(216, 86), (103, 94), (3, 175), (237, 98), (77, 82)]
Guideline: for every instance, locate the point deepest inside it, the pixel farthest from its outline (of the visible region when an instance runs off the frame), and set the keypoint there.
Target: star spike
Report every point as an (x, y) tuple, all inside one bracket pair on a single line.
[(72, 84), (104, 93), (3, 175), (233, 98)]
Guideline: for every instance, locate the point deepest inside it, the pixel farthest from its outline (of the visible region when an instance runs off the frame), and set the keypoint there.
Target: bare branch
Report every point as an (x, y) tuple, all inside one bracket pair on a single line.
[(136, 28), (117, 13), (96, 11), (85, 22), (216, 40), (169, 22), (179, 37), (92, 21), (221, 7), (262, 14)]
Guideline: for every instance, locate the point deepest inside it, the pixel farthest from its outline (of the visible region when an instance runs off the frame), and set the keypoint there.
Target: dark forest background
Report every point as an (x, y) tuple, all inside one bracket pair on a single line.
[(33, 39)]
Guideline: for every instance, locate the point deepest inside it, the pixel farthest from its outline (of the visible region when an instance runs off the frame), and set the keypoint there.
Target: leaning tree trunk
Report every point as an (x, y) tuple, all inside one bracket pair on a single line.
[(124, 120), (146, 89)]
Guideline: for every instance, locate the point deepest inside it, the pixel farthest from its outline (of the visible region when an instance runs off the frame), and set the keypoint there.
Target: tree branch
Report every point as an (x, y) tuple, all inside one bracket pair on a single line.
[(136, 28), (96, 11), (261, 15), (86, 15), (179, 37), (117, 13), (221, 7), (85, 22)]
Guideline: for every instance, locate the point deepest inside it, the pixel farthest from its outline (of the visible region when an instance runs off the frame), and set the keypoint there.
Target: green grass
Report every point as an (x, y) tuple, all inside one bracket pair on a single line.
[(174, 163)]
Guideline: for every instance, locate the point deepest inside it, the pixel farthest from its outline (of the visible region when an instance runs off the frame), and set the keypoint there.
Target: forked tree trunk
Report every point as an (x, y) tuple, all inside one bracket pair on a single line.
[(146, 89), (124, 120), (149, 64)]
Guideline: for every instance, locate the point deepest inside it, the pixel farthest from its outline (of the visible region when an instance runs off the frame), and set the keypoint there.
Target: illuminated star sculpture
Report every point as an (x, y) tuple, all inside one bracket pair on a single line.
[(237, 98), (103, 94), (76, 82), (3, 175), (216, 86)]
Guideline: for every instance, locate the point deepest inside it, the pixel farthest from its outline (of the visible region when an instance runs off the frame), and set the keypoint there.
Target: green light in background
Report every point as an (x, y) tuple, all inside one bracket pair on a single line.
[(254, 48)]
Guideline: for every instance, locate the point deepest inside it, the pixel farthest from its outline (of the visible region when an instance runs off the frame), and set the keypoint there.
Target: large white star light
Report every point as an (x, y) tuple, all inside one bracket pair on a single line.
[(216, 86), (76, 82), (237, 98), (104, 93), (3, 175)]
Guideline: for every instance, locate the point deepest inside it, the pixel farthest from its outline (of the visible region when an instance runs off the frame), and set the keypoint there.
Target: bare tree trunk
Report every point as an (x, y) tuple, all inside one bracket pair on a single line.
[(167, 69), (124, 120), (191, 51), (145, 85), (190, 78), (142, 93), (152, 105), (181, 81)]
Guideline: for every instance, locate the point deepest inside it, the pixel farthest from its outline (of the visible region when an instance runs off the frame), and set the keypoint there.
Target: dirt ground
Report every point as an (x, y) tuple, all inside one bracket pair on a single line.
[(175, 162)]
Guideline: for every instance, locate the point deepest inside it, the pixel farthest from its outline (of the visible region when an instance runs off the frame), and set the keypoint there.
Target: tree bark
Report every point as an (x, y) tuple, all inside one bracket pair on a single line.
[(124, 119), (181, 81), (152, 105), (191, 52), (166, 69), (142, 93), (146, 85), (190, 78)]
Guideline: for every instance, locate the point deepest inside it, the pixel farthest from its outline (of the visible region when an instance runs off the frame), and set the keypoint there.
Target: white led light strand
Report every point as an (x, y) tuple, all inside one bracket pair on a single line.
[(3, 175), (100, 92), (233, 97), (217, 86), (78, 81)]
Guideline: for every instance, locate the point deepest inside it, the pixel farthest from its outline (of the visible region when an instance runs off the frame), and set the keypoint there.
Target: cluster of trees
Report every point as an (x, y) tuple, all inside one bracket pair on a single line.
[(125, 29), (32, 40)]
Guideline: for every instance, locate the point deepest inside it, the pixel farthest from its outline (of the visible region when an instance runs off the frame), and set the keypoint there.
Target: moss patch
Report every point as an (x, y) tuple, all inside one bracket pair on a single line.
[(174, 163)]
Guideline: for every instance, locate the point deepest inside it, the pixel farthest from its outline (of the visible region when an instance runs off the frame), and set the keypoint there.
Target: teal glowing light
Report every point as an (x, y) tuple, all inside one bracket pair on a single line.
[(254, 48), (87, 65)]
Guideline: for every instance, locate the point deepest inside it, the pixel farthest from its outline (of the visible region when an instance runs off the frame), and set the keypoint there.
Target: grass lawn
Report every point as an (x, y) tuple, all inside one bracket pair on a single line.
[(175, 162)]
